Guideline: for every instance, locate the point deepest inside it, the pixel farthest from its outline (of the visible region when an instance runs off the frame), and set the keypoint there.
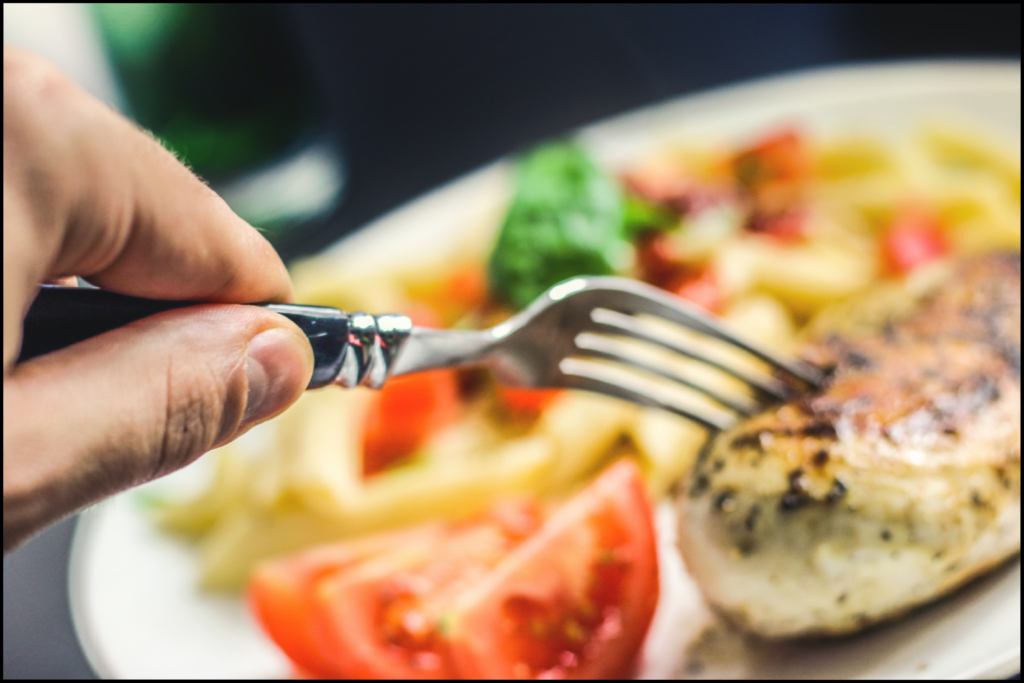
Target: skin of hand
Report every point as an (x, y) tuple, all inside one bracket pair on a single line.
[(86, 193)]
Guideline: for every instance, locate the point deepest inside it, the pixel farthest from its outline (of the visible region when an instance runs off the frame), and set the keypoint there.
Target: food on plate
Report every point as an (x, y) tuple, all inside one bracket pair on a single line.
[(912, 239), (565, 219), (403, 414), (775, 233), (891, 485), (521, 591), (281, 593)]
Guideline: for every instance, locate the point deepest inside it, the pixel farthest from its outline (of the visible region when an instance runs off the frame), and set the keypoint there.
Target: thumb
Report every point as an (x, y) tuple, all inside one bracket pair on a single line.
[(139, 402)]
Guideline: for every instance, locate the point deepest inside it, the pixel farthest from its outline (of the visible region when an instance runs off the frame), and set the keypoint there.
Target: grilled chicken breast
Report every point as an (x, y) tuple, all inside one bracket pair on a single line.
[(895, 483)]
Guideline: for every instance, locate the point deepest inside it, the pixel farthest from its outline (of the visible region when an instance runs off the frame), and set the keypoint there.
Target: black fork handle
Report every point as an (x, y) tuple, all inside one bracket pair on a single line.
[(62, 316)]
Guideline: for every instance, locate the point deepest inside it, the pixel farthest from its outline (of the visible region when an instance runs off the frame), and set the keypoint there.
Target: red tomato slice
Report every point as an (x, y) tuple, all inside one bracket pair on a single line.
[(658, 258), (782, 156), (672, 188), (573, 601), (450, 299), (785, 226), (702, 289), (408, 410), (913, 239), (383, 618), (280, 592), (467, 288), (423, 315), (660, 184), (662, 266), (527, 401)]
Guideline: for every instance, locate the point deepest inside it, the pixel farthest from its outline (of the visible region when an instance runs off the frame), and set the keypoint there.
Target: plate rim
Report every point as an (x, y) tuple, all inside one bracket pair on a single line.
[(998, 70), (983, 73)]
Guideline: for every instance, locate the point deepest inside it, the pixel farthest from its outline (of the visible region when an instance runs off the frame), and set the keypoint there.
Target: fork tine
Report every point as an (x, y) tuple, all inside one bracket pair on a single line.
[(613, 322), (643, 298), (606, 349), (577, 375)]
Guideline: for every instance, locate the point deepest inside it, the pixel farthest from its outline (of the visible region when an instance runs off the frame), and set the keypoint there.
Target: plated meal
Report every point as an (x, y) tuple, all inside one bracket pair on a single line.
[(451, 527)]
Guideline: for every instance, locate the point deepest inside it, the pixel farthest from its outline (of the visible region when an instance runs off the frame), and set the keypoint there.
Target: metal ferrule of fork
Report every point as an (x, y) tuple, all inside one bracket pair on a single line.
[(371, 346)]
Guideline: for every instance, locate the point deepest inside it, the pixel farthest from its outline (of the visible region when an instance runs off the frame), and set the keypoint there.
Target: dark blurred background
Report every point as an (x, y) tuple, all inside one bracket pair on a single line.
[(409, 96)]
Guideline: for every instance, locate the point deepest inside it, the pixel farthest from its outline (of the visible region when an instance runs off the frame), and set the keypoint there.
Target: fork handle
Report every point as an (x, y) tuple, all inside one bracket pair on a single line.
[(62, 316)]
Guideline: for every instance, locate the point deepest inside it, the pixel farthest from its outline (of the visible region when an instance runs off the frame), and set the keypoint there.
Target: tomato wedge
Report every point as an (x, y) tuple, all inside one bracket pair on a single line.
[(701, 288), (280, 592), (520, 592), (467, 288), (661, 265), (575, 600), (527, 401), (788, 226), (409, 409), (913, 239), (383, 618), (782, 156), (658, 258)]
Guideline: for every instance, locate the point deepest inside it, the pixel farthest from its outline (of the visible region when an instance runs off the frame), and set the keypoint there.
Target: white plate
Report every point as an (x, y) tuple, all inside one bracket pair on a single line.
[(133, 589)]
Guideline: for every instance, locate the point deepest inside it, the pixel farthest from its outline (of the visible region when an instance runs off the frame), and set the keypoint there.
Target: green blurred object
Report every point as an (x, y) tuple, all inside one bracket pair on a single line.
[(566, 219), (640, 216), (224, 86)]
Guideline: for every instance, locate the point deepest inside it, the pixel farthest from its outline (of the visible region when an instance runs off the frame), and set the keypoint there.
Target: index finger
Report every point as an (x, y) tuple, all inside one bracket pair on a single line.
[(92, 195)]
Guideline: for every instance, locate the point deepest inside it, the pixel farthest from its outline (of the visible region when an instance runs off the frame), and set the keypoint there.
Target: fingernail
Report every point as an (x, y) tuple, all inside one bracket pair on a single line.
[(277, 365)]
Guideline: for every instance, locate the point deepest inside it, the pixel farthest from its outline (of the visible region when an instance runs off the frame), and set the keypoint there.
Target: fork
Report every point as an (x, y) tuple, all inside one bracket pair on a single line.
[(570, 337)]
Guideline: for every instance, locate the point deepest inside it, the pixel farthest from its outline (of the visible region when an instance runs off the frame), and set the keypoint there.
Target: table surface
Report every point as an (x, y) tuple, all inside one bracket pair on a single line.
[(423, 94)]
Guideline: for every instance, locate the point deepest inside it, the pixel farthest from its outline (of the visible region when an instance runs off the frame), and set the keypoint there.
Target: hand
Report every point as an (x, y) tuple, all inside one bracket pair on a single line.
[(87, 193)]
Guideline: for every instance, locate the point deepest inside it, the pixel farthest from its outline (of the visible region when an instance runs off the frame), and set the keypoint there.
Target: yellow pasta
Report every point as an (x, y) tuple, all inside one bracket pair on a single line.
[(582, 428), (227, 491), (242, 535)]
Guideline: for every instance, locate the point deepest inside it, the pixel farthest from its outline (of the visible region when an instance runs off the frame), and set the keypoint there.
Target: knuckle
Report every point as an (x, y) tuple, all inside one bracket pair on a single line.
[(195, 402), (228, 277), (43, 134), (28, 78)]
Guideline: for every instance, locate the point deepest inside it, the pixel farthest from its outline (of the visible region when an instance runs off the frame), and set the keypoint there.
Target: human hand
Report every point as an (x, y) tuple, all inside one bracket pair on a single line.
[(87, 193)]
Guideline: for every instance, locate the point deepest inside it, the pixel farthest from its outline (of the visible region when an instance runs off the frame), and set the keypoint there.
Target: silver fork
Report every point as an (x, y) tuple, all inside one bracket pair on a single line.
[(569, 338), (549, 343)]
